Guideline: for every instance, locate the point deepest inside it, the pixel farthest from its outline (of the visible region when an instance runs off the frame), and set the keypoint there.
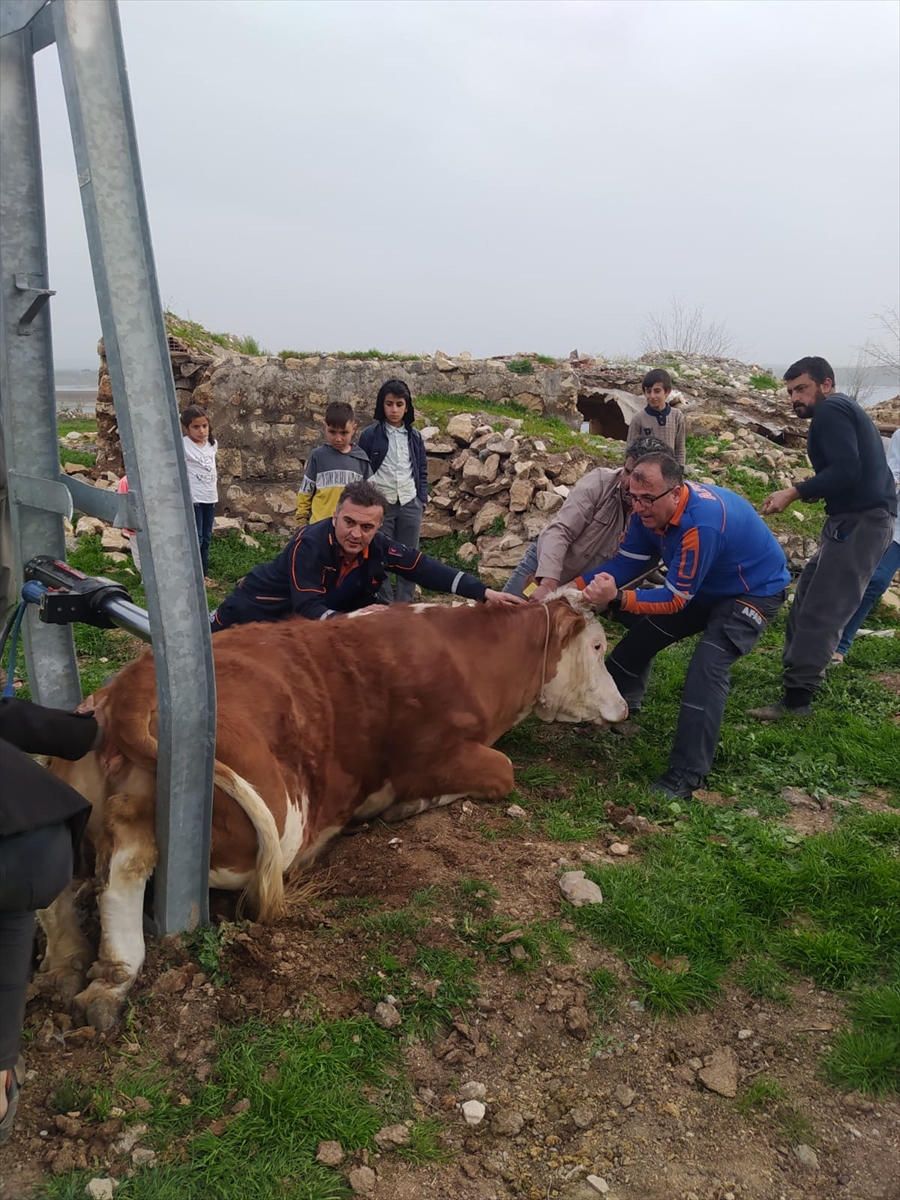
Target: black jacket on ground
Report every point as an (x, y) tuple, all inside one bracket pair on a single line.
[(847, 455), (30, 797), (308, 578)]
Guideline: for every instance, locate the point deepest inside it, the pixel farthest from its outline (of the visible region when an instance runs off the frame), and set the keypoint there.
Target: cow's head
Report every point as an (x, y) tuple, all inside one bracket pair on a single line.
[(581, 688)]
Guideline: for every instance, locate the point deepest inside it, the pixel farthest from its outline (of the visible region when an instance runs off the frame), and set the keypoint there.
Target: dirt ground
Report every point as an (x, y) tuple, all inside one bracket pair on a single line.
[(562, 1104)]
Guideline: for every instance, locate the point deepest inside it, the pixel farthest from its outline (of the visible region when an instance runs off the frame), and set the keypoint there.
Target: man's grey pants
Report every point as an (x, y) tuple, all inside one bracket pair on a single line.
[(828, 594), (731, 628)]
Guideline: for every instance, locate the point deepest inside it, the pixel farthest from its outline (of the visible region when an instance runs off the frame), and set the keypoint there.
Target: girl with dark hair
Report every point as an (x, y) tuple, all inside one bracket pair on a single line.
[(397, 454), (200, 457)]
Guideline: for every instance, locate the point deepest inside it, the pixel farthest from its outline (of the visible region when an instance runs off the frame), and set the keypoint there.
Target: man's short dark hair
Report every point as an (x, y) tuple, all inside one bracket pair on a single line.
[(339, 413), (658, 375), (818, 369), (363, 493), (669, 467), (643, 446)]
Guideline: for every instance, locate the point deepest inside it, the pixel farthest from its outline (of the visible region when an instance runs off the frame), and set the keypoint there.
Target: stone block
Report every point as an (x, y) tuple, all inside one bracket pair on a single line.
[(486, 516), (520, 494), (462, 428)]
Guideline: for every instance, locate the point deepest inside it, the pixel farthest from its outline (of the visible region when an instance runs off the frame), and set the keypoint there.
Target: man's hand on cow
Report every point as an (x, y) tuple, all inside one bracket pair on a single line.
[(778, 501), (492, 597), (544, 589), (601, 590)]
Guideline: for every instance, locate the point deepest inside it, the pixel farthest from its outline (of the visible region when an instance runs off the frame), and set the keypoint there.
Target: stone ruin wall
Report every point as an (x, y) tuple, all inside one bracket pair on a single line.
[(267, 415)]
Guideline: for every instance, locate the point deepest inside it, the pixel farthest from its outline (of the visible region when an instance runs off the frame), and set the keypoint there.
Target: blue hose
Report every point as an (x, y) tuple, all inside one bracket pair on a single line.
[(8, 689)]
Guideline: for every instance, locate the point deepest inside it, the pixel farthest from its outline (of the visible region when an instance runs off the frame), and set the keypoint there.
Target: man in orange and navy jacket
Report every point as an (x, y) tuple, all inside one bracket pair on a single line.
[(727, 577)]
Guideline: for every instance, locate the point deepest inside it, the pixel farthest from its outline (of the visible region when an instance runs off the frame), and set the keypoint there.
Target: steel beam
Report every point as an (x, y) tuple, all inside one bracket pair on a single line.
[(89, 41), (27, 385)]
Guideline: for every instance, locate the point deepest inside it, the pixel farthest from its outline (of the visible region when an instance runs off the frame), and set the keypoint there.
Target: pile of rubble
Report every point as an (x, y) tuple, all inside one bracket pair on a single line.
[(501, 488)]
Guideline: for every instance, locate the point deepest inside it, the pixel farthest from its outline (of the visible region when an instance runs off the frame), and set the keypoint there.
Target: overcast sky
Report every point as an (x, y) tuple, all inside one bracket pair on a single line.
[(498, 177)]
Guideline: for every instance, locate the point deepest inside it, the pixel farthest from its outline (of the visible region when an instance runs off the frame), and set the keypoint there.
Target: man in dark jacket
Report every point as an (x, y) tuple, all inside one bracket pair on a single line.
[(41, 822), (853, 477), (338, 566)]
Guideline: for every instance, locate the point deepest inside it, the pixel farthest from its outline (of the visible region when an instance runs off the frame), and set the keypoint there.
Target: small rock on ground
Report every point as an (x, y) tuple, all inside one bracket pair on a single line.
[(720, 1074), (598, 1183), (392, 1135), (625, 1095), (472, 1091), (473, 1111), (578, 890), (101, 1189), (330, 1153), (362, 1181), (507, 1123), (386, 1015), (807, 1157)]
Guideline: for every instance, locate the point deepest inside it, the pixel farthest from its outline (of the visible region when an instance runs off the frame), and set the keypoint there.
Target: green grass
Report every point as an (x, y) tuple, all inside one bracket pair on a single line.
[(764, 978), (520, 366), (828, 906), (208, 944), (760, 1094), (407, 975), (435, 408), (866, 1056), (76, 425), (603, 997), (765, 382), (377, 355), (305, 1083), (249, 345), (69, 454)]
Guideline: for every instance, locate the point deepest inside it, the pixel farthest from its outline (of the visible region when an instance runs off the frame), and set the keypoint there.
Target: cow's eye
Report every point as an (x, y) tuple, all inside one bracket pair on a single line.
[(598, 645)]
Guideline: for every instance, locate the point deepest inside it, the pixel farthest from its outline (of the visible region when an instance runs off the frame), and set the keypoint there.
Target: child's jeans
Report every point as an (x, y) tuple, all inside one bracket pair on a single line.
[(204, 514), (402, 523), (878, 585)]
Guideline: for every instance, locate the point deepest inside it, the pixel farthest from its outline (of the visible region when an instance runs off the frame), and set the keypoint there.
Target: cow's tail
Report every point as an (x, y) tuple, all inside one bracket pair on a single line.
[(266, 893)]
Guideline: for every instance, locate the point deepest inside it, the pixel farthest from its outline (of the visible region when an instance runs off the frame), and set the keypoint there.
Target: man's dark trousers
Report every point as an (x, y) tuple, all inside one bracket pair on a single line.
[(828, 594), (731, 628)]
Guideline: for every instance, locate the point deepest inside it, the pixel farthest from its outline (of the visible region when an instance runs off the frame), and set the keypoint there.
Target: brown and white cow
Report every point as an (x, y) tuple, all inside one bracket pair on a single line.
[(319, 723)]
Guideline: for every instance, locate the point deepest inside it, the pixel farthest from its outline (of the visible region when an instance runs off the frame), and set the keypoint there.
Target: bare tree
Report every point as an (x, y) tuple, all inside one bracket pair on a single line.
[(859, 384), (884, 351), (686, 331)]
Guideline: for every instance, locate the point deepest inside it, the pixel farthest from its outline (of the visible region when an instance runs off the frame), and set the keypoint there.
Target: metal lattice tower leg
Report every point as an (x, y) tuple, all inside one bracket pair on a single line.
[(88, 38)]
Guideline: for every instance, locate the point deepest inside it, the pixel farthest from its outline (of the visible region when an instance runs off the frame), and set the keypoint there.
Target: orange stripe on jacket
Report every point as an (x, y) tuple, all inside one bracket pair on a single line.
[(631, 604), (690, 554)]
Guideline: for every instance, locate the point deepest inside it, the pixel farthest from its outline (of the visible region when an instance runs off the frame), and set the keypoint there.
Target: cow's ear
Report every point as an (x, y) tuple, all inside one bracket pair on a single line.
[(576, 598), (567, 622)]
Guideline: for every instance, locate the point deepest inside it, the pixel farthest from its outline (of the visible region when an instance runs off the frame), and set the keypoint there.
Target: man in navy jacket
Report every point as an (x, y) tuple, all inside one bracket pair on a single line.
[(852, 476), (337, 566)]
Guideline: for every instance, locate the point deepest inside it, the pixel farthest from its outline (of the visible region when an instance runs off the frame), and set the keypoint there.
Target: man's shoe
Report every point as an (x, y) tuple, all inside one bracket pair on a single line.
[(676, 784), (16, 1079), (774, 712)]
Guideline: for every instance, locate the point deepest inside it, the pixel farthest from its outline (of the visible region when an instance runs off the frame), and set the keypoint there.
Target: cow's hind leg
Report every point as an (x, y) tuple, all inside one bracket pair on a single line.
[(126, 856), (68, 954), (469, 770)]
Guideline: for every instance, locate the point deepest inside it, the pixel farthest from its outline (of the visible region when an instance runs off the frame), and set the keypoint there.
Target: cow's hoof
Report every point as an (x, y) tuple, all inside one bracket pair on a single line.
[(100, 1008), (62, 982)]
